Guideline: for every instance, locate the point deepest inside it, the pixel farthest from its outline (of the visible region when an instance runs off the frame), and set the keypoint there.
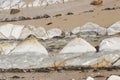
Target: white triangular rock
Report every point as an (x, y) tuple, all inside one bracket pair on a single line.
[(114, 77), (55, 32), (39, 32), (90, 78), (89, 29), (78, 45), (110, 44), (10, 31), (30, 45), (114, 29)]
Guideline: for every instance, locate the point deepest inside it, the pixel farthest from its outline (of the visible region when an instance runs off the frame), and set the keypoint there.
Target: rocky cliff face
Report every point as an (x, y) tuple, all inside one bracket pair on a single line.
[(9, 4)]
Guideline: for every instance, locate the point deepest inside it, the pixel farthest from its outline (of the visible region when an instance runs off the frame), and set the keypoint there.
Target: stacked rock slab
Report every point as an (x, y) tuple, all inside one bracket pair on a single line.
[(17, 4), (89, 29), (114, 29), (10, 31), (26, 54)]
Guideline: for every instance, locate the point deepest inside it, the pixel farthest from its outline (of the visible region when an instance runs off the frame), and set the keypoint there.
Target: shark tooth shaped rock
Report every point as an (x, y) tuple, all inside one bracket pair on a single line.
[(39, 32), (78, 45), (114, 29), (30, 45), (55, 32), (110, 44), (89, 29)]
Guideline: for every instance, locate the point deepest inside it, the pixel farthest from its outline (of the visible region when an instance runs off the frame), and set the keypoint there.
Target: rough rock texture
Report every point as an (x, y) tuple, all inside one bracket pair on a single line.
[(55, 32), (10, 31), (15, 4), (22, 61), (114, 29), (39, 32), (89, 29), (110, 44), (78, 45)]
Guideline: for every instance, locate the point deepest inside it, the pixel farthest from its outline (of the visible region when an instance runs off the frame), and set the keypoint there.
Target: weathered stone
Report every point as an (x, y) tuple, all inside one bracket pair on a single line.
[(29, 45), (10, 31), (89, 29), (110, 44), (114, 29), (55, 32), (79, 46)]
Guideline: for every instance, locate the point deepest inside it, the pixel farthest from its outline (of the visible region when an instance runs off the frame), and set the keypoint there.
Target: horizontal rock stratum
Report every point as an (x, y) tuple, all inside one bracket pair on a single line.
[(27, 46), (8, 4)]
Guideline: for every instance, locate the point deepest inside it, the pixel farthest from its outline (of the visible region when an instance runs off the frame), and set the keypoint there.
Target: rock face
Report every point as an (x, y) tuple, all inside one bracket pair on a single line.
[(78, 45), (114, 29), (39, 32), (10, 31), (8, 4), (55, 32), (29, 45), (89, 29), (23, 55), (110, 44), (22, 61), (114, 77)]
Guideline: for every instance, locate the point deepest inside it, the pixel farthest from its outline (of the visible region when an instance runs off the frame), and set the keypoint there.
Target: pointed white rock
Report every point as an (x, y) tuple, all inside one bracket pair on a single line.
[(114, 77), (78, 45), (114, 29), (39, 32), (110, 44), (55, 32), (90, 78), (10, 31), (89, 28), (30, 45)]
